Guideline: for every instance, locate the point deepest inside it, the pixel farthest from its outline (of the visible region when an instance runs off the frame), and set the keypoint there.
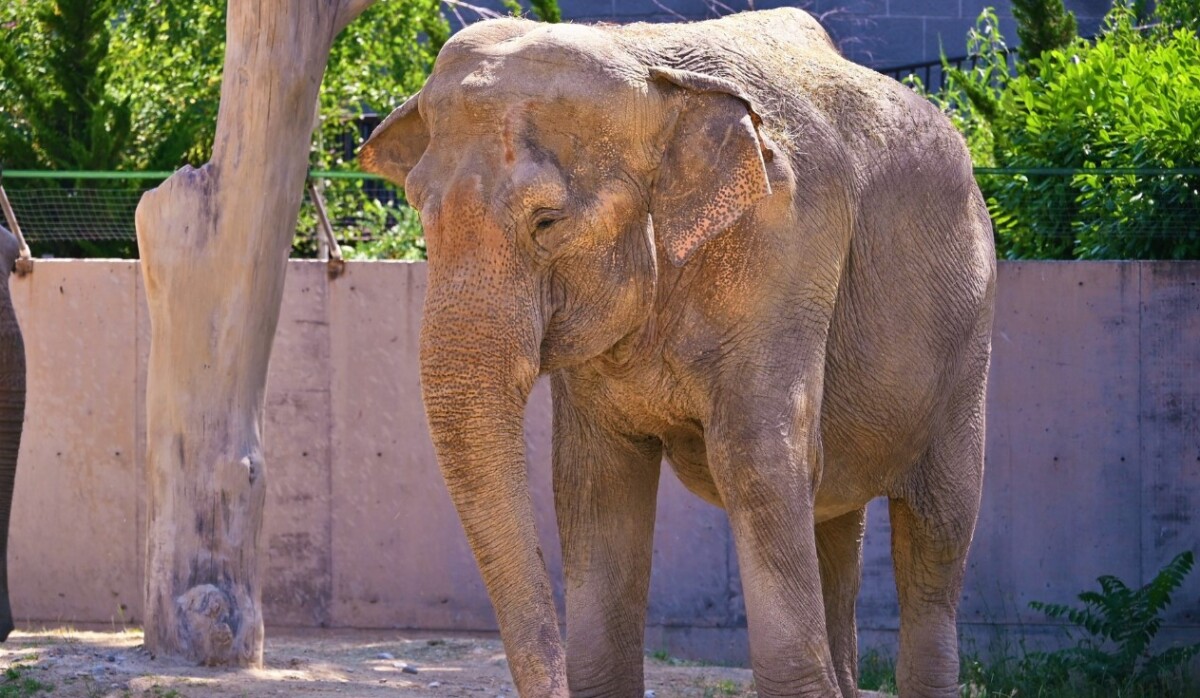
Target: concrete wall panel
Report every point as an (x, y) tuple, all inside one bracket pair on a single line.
[(539, 420), (877, 608), (1170, 421), (142, 363), (1093, 461), (1062, 439), (694, 578), (297, 529), (72, 547), (399, 555)]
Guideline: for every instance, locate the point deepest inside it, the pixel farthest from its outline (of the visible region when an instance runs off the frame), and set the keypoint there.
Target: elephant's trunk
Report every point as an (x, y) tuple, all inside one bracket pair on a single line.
[(479, 359)]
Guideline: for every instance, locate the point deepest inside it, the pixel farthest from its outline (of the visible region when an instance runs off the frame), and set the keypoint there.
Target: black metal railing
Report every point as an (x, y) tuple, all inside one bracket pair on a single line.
[(933, 73)]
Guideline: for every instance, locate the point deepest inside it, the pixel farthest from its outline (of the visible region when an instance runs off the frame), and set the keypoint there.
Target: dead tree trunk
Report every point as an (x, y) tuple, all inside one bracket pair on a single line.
[(214, 244)]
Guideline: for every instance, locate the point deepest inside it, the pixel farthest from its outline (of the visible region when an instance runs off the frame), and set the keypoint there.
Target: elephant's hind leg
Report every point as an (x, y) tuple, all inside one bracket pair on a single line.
[(933, 520), (839, 553)]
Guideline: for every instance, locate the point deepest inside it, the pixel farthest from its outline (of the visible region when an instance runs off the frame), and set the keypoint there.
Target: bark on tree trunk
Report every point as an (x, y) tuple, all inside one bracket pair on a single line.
[(214, 245)]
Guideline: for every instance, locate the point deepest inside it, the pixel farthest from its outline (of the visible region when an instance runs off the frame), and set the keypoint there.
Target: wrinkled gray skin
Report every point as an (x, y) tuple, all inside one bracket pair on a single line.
[(727, 246), (12, 412)]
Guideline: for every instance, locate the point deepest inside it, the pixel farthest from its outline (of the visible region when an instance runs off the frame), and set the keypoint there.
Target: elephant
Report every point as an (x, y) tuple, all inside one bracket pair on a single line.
[(12, 413), (728, 247)]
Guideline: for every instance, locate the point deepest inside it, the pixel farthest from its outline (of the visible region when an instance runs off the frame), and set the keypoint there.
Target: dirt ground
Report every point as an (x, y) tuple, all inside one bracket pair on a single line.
[(67, 662)]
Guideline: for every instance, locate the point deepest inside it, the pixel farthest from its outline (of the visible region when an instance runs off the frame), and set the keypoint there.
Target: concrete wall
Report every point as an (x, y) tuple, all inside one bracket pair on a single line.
[(871, 32), (1093, 460)]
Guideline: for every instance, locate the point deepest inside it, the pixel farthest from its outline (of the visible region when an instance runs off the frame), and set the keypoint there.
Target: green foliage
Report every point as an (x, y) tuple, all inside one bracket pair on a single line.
[(16, 684), (135, 85), (55, 110), (382, 57), (543, 10), (370, 220), (1112, 655), (877, 672), (167, 62), (377, 61), (1119, 625), (1043, 25), (1181, 14), (1131, 100), (971, 97), (546, 10)]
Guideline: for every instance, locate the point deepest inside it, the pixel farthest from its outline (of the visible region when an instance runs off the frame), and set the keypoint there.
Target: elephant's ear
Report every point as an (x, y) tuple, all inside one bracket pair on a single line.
[(397, 144), (712, 170)]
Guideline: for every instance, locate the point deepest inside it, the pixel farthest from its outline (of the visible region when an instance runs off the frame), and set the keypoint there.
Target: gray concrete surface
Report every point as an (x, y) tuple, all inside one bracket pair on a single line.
[(1093, 461)]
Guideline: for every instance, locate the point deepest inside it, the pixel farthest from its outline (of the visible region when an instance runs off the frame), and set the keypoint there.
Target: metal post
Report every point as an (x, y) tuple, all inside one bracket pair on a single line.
[(24, 264), (330, 252)]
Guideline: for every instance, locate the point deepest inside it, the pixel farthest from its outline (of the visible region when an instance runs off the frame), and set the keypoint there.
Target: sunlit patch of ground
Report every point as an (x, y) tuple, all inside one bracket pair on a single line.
[(66, 663)]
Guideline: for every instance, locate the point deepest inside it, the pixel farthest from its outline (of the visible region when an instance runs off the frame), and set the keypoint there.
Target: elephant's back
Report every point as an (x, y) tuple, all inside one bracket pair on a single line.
[(786, 26), (787, 63)]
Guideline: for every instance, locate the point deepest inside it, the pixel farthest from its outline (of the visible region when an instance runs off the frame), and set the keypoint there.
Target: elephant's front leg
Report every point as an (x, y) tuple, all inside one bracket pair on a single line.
[(764, 452), (605, 488)]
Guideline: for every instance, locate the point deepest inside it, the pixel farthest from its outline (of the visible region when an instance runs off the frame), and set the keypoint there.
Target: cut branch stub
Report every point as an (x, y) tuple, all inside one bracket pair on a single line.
[(214, 244)]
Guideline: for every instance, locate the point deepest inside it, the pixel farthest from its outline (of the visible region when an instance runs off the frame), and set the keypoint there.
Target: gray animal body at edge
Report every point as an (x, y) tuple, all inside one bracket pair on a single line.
[(12, 412), (727, 246)]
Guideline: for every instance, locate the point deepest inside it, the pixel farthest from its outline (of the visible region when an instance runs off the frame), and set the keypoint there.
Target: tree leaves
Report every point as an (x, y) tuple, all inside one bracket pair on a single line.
[(135, 84), (56, 69), (1042, 25), (1129, 101)]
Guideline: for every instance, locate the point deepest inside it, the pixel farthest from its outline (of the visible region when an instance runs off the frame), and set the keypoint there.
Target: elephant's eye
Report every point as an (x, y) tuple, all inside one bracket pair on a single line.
[(544, 218)]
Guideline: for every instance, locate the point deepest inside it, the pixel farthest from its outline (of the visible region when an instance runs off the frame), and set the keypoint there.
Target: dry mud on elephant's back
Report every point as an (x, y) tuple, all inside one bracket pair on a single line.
[(76, 663)]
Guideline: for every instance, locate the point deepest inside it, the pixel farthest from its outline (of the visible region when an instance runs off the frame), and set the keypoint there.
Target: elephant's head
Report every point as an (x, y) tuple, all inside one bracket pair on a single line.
[(554, 172)]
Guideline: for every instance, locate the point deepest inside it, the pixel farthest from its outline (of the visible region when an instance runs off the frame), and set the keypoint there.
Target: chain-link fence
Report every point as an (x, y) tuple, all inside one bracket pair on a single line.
[(1054, 213), (77, 206), (95, 211), (1094, 213)]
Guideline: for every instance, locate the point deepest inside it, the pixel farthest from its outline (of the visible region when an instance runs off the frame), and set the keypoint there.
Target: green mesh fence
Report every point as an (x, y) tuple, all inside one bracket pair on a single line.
[(56, 207), (1041, 213), (92, 207), (1094, 213)]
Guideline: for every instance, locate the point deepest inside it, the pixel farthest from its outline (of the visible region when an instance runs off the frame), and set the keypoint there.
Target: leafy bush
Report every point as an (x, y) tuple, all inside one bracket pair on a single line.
[(399, 234), (381, 58), (1112, 655), (55, 67), (1131, 100), (135, 85), (1119, 625), (1184, 14), (369, 218), (1043, 25)]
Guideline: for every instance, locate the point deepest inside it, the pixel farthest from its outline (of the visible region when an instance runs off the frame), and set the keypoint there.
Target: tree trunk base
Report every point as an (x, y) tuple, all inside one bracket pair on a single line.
[(208, 621)]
